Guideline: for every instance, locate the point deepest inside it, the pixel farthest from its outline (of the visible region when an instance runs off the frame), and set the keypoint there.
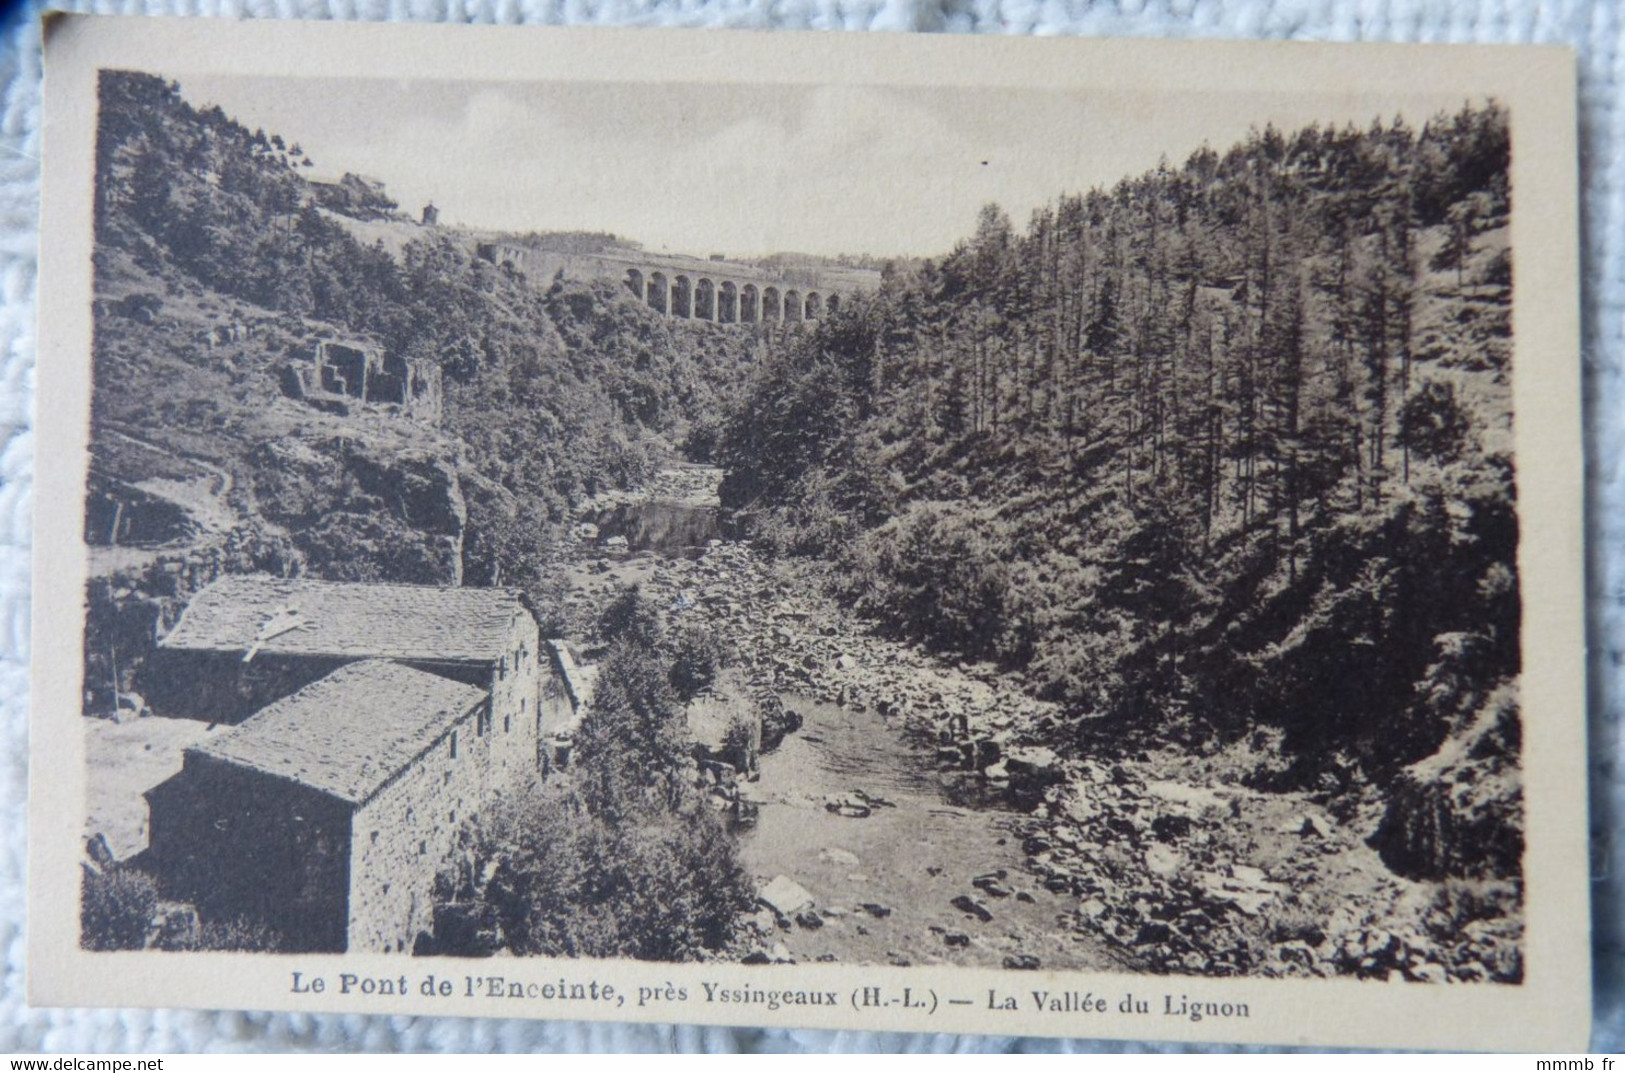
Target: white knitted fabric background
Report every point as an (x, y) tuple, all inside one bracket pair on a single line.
[(1592, 27)]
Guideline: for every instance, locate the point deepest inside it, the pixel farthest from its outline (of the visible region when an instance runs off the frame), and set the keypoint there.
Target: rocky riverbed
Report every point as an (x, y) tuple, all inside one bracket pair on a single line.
[(934, 812), (863, 857)]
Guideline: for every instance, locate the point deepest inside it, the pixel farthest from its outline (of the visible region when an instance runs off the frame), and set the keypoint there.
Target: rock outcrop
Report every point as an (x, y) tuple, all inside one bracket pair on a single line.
[(360, 513), (1459, 812)]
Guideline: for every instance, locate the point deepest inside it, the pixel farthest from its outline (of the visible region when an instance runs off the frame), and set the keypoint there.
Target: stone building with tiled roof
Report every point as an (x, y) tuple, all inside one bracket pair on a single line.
[(302, 616), (327, 815), (249, 639), (370, 721)]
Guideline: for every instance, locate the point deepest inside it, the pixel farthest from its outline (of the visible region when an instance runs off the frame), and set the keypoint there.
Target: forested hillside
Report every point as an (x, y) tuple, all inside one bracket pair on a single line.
[(554, 390), (1226, 446)]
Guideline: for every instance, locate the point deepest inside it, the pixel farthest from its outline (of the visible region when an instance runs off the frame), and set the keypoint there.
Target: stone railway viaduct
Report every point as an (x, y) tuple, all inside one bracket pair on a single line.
[(727, 301), (715, 290)]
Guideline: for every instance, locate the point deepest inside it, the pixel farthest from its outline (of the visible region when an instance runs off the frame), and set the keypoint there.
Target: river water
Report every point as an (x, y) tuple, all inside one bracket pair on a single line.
[(910, 858), (673, 530), (883, 884)]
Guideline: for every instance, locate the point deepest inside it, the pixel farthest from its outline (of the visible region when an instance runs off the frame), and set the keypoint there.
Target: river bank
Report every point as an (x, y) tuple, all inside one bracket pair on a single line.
[(1002, 841)]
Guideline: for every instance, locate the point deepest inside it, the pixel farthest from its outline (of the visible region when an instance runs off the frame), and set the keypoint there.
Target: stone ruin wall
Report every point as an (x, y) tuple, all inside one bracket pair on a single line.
[(339, 377)]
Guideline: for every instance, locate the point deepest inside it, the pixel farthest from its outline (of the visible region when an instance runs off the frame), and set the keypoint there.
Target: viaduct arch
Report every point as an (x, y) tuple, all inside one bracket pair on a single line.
[(714, 290), (721, 299)]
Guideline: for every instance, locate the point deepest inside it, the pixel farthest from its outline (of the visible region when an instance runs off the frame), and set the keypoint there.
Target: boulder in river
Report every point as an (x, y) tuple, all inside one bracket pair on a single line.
[(974, 907), (992, 885), (785, 897), (1032, 771), (1161, 860), (1171, 826), (846, 805), (836, 855), (1244, 889)]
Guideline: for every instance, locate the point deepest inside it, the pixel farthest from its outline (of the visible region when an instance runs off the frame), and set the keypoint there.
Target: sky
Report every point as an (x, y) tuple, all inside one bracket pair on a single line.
[(747, 170)]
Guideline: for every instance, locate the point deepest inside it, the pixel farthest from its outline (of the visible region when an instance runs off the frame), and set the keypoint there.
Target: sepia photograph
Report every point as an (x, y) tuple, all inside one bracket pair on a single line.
[(764, 523)]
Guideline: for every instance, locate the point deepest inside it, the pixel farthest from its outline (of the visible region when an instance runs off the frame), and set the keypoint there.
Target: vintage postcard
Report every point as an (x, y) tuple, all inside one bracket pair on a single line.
[(1048, 537)]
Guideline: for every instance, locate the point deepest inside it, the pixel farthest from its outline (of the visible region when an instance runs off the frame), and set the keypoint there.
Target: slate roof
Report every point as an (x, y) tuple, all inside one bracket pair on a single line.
[(357, 620), (349, 733)]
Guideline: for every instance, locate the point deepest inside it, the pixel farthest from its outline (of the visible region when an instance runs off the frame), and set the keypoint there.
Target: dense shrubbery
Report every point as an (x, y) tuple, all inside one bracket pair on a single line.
[(570, 884), (116, 909), (937, 563), (620, 858), (234, 934), (120, 909), (631, 618), (699, 654)]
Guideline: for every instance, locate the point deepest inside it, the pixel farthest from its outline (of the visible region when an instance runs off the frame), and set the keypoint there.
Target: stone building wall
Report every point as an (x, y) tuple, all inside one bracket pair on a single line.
[(516, 694), (407, 832), (338, 377), (242, 844), (366, 881)]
